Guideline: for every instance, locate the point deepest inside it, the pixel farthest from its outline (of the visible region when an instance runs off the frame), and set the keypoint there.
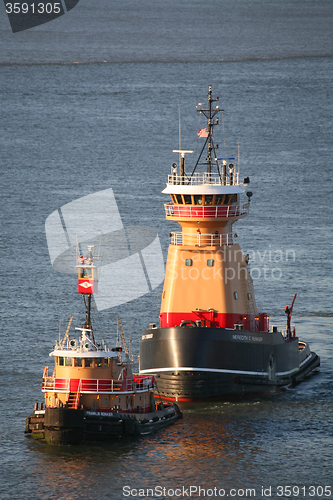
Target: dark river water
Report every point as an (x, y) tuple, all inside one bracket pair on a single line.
[(91, 101)]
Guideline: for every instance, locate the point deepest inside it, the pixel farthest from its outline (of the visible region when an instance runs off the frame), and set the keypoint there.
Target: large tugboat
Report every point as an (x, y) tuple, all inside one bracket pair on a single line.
[(92, 393), (211, 342)]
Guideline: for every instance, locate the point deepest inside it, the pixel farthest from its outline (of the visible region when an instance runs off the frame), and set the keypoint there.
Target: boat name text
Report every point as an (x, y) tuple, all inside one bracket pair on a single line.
[(250, 338)]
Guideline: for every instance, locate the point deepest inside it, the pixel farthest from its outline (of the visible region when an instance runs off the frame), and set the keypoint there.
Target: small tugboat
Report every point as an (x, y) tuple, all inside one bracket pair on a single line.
[(92, 394), (211, 342)]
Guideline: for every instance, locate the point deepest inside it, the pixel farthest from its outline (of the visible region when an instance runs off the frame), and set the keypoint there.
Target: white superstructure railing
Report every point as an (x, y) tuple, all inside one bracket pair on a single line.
[(201, 240), (102, 386), (235, 210), (201, 178)]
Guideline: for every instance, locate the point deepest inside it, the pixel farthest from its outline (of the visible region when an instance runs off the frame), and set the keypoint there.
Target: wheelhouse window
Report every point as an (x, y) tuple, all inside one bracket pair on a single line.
[(88, 362), (85, 272), (68, 361), (225, 199), (60, 361), (77, 361), (209, 199), (197, 199), (98, 362)]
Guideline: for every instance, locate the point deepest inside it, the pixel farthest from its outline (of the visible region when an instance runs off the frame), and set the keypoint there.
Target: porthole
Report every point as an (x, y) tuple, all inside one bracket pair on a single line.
[(210, 262), (188, 262), (236, 295)]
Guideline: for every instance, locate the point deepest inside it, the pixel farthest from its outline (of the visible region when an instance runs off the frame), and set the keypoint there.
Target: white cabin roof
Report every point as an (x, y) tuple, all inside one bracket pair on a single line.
[(71, 353), (202, 189)]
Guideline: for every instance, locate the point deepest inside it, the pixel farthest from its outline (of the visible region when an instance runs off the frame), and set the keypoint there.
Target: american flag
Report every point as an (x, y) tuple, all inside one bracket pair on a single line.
[(203, 132)]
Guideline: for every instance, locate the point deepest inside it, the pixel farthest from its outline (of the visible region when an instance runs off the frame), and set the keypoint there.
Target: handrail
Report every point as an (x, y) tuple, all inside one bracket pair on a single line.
[(215, 211), (76, 405), (204, 178), (55, 384), (101, 385), (106, 386), (201, 240)]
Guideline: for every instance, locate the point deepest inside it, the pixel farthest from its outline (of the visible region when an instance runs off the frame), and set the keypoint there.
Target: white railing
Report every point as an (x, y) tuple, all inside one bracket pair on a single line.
[(201, 240), (206, 211), (102, 385), (106, 386), (55, 384), (205, 178)]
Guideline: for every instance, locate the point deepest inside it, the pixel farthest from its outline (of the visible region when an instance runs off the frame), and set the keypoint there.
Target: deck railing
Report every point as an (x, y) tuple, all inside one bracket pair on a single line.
[(194, 211), (202, 240), (102, 386), (205, 178), (55, 384)]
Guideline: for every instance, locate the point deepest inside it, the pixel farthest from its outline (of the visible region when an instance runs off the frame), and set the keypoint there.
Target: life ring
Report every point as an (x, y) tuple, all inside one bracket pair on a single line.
[(188, 322)]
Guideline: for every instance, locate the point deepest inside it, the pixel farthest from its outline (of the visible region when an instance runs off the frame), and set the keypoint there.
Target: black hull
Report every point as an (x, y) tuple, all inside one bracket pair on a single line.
[(66, 426), (195, 363)]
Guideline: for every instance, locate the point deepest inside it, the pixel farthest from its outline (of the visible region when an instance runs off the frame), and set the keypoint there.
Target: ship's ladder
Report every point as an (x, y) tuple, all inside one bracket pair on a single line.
[(73, 400)]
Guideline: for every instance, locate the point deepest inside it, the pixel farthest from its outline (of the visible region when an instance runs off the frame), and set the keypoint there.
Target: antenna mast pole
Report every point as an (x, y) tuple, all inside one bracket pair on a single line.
[(129, 368), (210, 131), (209, 114)]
